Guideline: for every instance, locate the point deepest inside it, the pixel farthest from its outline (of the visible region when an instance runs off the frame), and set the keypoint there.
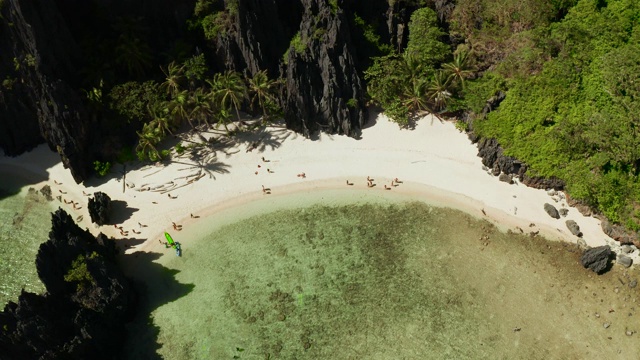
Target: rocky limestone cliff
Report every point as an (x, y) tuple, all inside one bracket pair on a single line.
[(323, 88), (259, 36), (83, 312), (36, 102)]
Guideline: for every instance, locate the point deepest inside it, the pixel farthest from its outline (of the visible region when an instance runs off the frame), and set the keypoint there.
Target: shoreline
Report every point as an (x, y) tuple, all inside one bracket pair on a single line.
[(436, 162)]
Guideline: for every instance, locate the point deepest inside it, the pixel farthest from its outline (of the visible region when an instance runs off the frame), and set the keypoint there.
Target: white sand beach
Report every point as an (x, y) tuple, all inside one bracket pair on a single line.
[(435, 162)]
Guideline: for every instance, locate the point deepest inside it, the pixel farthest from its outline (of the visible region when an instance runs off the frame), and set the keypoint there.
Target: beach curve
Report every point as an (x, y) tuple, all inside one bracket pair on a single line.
[(435, 162)]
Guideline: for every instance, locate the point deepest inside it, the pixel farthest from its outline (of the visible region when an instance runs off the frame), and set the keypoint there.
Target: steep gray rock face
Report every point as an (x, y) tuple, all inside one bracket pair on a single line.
[(323, 88), (35, 104), (259, 36)]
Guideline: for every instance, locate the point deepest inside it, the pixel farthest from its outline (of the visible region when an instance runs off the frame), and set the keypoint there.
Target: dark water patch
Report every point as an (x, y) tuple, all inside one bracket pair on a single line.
[(143, 335)]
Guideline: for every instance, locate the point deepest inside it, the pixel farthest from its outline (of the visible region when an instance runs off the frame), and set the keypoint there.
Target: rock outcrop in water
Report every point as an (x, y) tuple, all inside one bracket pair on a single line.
[(85, 306), (597, 259)]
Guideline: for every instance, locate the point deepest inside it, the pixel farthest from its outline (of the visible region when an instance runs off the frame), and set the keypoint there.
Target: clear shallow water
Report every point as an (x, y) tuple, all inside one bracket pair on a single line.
[(378, 279), (25, 223)]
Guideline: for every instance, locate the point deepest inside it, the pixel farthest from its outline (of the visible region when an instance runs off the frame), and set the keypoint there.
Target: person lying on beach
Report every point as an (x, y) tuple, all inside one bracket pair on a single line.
[(370, 184), (195, 216), (302, 175), (348, 183), (397, 181), (387, 188), (56, 182), (369, 179), (265, 160), (176, 226)]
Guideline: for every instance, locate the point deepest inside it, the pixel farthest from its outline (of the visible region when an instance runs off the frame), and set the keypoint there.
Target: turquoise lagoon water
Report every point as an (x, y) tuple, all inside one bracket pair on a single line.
[(26, 221), (351, 275)]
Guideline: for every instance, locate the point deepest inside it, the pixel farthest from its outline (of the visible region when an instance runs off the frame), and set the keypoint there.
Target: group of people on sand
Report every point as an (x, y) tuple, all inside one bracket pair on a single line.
[(395, 182)]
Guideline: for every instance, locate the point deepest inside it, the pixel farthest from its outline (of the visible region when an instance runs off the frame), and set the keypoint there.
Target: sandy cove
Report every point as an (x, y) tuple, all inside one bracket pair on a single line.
[(436, 163)]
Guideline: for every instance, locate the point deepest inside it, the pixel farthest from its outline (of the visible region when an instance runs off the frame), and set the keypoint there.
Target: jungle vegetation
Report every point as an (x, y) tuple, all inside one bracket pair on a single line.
[(571, 73), (570, 70)]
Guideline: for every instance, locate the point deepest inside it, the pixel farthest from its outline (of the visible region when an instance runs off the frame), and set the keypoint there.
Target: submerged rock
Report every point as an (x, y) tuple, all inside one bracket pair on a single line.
[(597, 259), (551, 210)]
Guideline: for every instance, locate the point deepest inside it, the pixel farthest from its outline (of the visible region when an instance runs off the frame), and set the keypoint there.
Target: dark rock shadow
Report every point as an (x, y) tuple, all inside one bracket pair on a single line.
[(120, 212), (156, 286), (18, 178), (374, 112), (123, 244)]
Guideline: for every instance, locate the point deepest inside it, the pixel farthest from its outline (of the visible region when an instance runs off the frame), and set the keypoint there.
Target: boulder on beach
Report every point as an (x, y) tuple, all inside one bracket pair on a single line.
[(563, 212), (597, 259), (551, 210), (99, 208), (506, 178), (574, 228), (624, 260)]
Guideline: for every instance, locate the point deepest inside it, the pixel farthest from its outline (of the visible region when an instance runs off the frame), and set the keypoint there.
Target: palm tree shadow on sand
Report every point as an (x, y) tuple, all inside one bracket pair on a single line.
[(157, 286)]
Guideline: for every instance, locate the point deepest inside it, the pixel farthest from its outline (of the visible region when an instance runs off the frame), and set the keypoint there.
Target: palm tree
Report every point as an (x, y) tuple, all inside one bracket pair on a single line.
[(200, 106), (222, 116), (412, 67), (458, 69), (132, 53), (149, 137), (415, 95), (159, 118), (179, 108), (173, 78), (438, 90), (260, 86), (229, 89)]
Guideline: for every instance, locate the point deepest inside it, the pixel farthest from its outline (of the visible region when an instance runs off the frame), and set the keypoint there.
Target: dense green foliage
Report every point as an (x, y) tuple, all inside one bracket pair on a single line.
[(102, 168), (408, 83), (578, 119), (79, 272), (570, 70), (571, 73)]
